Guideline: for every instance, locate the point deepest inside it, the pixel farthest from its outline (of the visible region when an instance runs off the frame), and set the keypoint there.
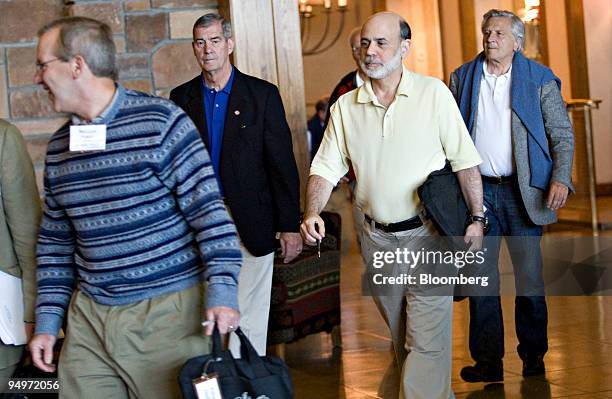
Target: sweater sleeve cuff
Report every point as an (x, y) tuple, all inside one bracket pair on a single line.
[(48, 323), (220, 294)]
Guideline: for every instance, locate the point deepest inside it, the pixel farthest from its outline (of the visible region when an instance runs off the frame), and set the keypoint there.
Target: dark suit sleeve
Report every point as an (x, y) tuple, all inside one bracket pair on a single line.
[(453, 86), (332, 100), (280, 165), (175, 97)]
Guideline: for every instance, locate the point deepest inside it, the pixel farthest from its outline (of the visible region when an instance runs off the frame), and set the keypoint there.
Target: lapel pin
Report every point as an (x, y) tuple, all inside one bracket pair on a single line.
[(236, 112)]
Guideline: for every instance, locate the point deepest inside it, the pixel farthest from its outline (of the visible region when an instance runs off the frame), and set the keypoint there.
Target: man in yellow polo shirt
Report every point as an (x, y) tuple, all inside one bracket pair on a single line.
[(396, 129)]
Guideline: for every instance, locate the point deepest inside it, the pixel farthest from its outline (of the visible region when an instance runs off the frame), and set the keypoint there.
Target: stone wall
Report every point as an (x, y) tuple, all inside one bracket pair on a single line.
[(153, 39)]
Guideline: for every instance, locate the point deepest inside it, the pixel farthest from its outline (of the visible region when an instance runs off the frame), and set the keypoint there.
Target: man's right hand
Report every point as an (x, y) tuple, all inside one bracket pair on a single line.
[(309, 231), (41, 349)]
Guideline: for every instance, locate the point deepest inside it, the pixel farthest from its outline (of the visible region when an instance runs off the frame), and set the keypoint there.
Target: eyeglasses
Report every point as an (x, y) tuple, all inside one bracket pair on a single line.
[(41, 66)]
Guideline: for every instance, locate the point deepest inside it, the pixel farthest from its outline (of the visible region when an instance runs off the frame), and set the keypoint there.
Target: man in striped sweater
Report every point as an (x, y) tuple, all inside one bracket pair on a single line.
[(135, 242)]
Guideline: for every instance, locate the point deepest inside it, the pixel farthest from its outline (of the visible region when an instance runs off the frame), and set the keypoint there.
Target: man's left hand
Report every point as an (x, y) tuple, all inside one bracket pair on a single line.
[(557, 195), (227, 319), (474, 235), (291, 245)]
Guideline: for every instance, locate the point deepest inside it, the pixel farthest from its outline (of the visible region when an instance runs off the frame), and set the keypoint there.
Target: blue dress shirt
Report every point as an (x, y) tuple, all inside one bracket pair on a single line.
[(215, 108)]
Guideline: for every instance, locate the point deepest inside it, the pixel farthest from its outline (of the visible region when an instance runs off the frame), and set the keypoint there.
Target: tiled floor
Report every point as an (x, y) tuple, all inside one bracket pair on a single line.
[(579, 360)]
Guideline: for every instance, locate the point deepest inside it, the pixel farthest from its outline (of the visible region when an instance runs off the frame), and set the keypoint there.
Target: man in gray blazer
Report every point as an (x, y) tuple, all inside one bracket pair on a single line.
[(514, 111), (19, 220)]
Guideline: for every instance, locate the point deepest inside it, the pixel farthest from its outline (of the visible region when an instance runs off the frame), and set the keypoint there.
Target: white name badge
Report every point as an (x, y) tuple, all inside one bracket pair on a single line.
[(207, 387), (87, 137)]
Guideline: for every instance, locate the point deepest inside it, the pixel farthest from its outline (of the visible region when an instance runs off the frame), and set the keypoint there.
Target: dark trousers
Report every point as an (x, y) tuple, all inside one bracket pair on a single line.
[(508, 219)]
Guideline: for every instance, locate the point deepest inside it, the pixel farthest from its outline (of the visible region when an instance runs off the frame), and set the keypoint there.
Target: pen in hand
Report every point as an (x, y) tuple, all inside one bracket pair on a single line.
[(318, 241)]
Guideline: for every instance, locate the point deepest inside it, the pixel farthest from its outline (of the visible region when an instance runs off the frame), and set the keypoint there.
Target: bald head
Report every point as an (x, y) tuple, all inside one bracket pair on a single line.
[(355, 43), (393, 21), (354, 36), (385, 41)]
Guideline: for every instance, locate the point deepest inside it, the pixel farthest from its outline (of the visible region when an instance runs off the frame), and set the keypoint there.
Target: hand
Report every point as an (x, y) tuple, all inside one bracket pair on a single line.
[(291, 245), (41, 348), (557, 195), (474, 235), (29, 330), (308, 230), (227, 319)]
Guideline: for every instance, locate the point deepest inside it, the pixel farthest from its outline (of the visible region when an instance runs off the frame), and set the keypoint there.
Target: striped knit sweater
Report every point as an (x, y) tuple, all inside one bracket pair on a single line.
[(140, 219)]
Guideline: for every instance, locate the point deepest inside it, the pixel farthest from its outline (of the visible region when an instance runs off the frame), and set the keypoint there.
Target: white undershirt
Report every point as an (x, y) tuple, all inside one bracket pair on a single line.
[(493, 137), (358, 79)]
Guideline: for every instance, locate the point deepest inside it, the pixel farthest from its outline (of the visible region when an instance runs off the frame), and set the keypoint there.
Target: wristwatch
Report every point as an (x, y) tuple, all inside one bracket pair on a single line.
[(481, 219)]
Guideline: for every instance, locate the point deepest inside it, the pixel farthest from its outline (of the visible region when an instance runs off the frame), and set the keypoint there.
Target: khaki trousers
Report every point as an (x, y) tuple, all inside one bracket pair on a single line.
[(254, 291), (420, 326), (131, 351)]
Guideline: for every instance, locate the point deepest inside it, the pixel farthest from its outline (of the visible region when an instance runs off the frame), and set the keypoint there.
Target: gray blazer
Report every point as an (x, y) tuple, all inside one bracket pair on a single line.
[(561, 144), (19, 213)]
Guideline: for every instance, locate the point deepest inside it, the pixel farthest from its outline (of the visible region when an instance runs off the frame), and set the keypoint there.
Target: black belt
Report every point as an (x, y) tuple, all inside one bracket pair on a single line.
[(498, 179), (408, 224)]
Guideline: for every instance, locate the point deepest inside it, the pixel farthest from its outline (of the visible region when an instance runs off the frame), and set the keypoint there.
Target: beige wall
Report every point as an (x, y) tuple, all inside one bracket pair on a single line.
[(323, 71), (452, 47), (598, 32), (558, 52), (426, 48)]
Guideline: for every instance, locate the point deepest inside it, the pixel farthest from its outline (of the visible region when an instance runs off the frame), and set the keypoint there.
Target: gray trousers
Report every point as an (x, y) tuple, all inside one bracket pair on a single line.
[(421, 326), (9, 359)]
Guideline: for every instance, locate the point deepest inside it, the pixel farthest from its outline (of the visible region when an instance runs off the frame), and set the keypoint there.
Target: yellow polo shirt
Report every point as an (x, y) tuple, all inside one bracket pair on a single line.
[(394, 149)]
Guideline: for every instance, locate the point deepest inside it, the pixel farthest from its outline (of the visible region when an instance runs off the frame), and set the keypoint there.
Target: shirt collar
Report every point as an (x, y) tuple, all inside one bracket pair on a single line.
[(489, 75), (228, 86), (107, 114), (366, 94)]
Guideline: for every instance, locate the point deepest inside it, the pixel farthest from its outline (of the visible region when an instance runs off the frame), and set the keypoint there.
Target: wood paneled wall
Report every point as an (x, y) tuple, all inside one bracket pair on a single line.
[(268, 46), (577, 48), (425, 55)]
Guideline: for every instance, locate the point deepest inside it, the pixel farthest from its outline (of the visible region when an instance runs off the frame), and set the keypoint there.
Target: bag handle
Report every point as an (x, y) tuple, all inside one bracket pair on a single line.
[(216, 343), (248, 353), (219, 355)]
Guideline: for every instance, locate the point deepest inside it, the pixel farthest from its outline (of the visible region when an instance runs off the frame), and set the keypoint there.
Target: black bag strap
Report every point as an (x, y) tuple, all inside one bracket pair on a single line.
[(216, 342), (219, 355), (248, 353)]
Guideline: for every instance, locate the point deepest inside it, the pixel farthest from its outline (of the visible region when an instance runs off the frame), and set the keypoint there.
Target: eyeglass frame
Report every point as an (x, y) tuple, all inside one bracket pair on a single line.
[(42, 66)]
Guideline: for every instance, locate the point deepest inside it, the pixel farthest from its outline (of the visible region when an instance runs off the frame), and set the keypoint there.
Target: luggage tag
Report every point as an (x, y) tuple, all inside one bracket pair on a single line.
[(87, 137), (207, 387)]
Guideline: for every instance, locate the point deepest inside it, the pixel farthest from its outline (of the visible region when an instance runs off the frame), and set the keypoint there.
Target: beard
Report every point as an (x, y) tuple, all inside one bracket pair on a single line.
[(386, 69)]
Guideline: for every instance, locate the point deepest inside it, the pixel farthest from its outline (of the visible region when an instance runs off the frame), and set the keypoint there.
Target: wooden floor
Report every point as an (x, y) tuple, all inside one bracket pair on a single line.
[(578, 363)]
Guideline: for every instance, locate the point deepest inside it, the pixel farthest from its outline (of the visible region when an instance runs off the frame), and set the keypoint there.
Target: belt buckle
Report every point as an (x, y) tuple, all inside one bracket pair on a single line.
[(374, 222)]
